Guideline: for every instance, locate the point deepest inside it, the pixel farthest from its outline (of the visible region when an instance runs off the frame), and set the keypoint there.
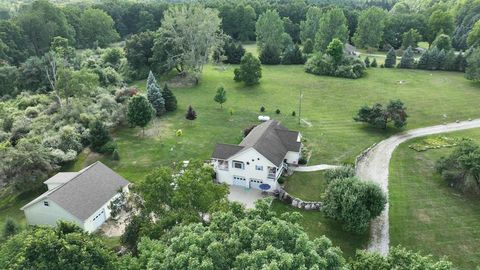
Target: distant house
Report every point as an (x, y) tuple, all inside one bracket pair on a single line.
[(81, 197), (350, 49), (259, 160)]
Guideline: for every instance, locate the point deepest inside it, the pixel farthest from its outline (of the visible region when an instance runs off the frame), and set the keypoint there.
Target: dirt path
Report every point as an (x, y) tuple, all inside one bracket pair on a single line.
[(374, 166)]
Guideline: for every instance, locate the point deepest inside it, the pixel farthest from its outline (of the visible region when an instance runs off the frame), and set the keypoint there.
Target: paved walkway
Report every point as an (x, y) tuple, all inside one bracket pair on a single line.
[(245, 196), (374, 167), (314, 168)]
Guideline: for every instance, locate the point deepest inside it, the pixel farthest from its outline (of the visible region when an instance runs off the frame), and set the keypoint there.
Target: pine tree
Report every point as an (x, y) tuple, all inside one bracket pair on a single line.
[(441, 60), (449, 63), (433, 58), (221, 96), (374, 63), (293, 56), (99, 135), (408, 59), (367, 62), (154, 95), (460, 62), (270, 55), (191, 114), (424, 60), (308, 46), (170, 99), (10, 228), (391, 59)]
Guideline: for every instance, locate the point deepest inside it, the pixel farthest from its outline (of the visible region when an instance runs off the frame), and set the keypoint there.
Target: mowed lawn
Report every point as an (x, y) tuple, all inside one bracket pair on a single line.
[(308, 186), (426, 214)]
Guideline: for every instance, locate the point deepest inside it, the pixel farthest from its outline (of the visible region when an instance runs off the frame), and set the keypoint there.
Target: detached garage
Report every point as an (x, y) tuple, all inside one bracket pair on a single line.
[(81, 197)]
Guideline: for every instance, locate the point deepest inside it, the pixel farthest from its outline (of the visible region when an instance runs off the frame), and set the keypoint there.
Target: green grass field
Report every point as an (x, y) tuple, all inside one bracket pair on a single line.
[(308, 186), (426, 214)]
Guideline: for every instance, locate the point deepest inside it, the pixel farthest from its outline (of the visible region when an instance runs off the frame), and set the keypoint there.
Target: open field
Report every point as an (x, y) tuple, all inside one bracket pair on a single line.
[(308, 186), (426, 214)]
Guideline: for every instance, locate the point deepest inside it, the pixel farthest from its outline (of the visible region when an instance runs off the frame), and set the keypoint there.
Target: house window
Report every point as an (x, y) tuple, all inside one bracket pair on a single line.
[(258, 181), (45, 203), (258, 168), (239, 178), (238, 165)]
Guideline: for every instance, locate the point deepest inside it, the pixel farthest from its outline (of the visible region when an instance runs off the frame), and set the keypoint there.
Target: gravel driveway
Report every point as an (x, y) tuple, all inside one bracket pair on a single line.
[(374, 165)]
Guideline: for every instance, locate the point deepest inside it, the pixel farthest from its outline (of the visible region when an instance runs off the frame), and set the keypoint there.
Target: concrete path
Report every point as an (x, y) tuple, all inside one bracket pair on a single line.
[(374, 166), (245, 196), (314, 168)]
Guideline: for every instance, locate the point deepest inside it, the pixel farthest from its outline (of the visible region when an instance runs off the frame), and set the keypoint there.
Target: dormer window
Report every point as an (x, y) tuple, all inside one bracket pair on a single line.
[(45, 203), (238, 165)]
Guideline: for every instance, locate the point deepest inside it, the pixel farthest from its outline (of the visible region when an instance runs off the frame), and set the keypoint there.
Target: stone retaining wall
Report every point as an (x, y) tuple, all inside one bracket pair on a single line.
[(283, 196)]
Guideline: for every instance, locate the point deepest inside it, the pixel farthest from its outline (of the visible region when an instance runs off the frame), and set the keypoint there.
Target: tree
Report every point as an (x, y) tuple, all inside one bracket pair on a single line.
[(170, 99), (473, 39), (397, 25), (345, 171), (466, 16), (112, 57), (397, 258), (188, 36), (379, 117), (270, 55), (308, 46), (408, 59), (374, 62), (309, 27), (8, 80), (40, 22), (250, 70), (10, 228), (440, 22), (139, 112), (293, 56), (75, 83), (472, 72), (138, 51), (99, 135), (442, 42), (411, 39), (63, 247), (15, 49), (371, 24), (271, 242), (154, 95), (335, 50), (96, 28), (234, 51), (269, 30), (367, 62), (221, 96), (353, 202), (391, 59), (333, 25), (191, 114), (461, 168)]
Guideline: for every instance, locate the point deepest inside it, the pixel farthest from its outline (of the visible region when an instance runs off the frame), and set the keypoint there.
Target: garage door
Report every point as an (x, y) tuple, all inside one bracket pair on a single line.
[(240, 181), (98, 219), (255, 183)]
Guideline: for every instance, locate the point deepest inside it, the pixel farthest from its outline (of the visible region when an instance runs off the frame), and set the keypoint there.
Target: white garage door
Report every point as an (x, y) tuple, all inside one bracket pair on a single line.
[(98, 219), (255, 183), (240, 181)]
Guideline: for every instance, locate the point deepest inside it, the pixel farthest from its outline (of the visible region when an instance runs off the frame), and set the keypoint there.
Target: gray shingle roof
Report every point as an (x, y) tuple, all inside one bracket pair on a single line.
[(61, 177), (85, 193), (271, 139)]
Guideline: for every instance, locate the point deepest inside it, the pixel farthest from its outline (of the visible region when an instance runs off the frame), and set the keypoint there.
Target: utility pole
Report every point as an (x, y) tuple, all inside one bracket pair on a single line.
[(300, 106)]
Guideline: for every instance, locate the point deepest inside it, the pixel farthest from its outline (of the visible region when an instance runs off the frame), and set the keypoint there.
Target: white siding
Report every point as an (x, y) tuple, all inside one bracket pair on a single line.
[(39, 214)]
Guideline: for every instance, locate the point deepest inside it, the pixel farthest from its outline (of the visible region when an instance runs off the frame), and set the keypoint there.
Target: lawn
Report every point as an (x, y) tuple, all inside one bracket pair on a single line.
[(308, 186), (316, 225), (426, 214)]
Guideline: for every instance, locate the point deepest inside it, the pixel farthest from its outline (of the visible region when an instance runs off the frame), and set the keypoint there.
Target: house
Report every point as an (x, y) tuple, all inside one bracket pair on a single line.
[(80, 197), (260, 159)]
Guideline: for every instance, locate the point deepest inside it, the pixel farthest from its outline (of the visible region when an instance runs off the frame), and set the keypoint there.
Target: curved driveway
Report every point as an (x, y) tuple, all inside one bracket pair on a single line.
[(374, 165)]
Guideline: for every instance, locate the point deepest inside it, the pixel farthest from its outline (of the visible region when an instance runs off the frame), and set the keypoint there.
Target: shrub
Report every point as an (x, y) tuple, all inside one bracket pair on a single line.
[(270, 55), (302, 161), (379, 117), (292, 55), (277, 111), (31, 112), (308, 46), (247, 130), (124, 93), (99, 135), (262, 109), (115, 155), (345, 171), (293, 113), (374, 63), (108, 148), (10, 228), (234, 52), (348, 67), (367, 62)]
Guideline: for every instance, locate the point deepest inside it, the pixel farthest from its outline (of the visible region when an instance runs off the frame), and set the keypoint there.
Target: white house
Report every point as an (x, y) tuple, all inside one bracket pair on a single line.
[(81, 197), (259, 160)]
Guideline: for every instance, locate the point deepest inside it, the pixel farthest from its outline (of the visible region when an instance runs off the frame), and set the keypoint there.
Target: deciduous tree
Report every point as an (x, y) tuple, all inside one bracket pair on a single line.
[(333, 25), (220, 96), (250, 70), (269, 30), (96, 28), (309, 27), (139, 112), (439, 22), (371, 24)]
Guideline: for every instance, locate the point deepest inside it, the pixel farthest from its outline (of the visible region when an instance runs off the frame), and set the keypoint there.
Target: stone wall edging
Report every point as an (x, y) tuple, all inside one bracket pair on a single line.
[(285, 197)]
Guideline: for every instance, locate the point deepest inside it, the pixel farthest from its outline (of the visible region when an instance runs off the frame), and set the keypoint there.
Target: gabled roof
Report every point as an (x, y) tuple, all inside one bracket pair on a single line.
[(271, 139), (61, 178), (86, 192)]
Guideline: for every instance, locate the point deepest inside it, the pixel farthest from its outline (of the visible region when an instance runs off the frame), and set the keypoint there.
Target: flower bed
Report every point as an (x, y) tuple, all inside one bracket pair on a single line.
[(435, 143)]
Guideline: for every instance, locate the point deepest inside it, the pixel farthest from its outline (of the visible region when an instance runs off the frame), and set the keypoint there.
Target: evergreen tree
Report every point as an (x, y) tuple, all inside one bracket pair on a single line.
[(293, 56), (408, 59), (250, 70), (10, 228), (449, 63), (154, 95), (221, 96), (99, 135), (374, 63), (424, 60), (270, 55), (139, 112), (433, 59), (391, 59), (411, 38), (367, 62), (308, 46), (191, 114), (460, 62), (233, 51), (472, 71), (441, 60), (170, 99)]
